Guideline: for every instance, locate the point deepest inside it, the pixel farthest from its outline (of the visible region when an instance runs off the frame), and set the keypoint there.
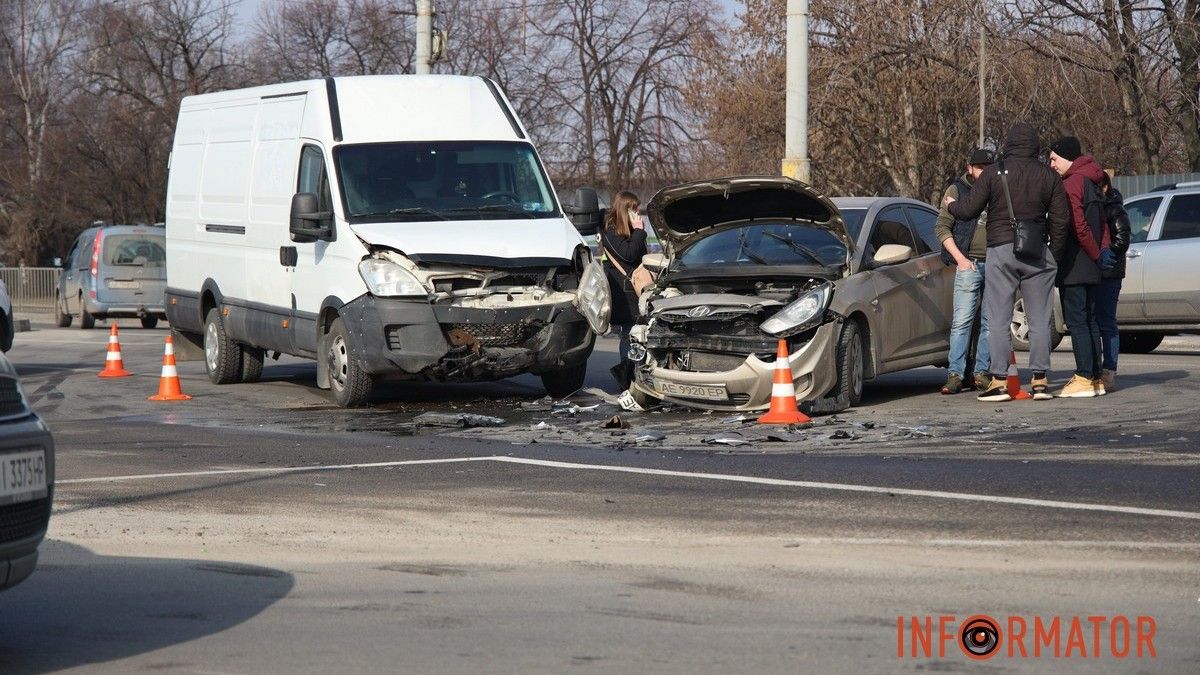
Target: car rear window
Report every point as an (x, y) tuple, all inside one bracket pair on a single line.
[(134, 249)]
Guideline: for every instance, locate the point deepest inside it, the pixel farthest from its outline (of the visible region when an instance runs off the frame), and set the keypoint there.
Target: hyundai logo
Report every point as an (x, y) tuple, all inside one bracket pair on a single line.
[(700, 311)]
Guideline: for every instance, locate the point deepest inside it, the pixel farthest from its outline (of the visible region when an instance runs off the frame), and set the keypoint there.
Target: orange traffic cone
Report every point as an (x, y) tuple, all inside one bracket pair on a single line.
[(783, 393), (168, 383), (1014, 380), (113, 365)]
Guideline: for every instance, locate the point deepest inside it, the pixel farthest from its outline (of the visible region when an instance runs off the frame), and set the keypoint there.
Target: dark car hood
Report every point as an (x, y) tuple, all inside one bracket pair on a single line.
[(684, 214)]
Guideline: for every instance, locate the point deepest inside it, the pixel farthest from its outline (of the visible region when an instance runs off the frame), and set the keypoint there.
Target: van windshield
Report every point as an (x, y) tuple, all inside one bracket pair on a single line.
[(134, 249), (442, 180)]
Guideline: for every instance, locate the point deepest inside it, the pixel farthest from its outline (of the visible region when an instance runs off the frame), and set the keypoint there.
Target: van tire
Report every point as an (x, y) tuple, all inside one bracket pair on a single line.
[(86, 320), (351, 386), (222, 356), (61, 318), (559, 383), (149, 321), (252, 364), (851, 360)]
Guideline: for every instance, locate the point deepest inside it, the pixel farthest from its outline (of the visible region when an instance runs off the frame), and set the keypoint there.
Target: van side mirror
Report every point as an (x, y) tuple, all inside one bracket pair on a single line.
[(307, 223), (585, 213)]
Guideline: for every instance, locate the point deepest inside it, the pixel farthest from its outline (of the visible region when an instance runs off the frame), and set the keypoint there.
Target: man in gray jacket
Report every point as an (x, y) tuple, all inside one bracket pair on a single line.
[(1037, 195)]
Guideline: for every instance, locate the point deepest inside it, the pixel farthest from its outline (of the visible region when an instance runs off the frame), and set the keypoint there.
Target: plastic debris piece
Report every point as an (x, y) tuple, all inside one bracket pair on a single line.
[(460, 420), (649, 436), (725, 439), (843, 435), (615, 422), (601, 394), (543, 426), (544, 404), (739, 419)]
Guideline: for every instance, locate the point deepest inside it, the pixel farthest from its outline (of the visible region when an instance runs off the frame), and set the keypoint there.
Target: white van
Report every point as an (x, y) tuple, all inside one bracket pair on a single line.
[(386, 226)]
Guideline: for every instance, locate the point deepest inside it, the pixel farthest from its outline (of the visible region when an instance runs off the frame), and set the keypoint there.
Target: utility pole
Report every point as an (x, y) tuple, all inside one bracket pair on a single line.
[(795, 147), (424, 37), (982, 76)]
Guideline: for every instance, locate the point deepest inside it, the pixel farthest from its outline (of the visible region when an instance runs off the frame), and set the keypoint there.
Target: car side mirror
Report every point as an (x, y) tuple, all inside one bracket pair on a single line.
[(891, 254), (307, 223), (585, 213)]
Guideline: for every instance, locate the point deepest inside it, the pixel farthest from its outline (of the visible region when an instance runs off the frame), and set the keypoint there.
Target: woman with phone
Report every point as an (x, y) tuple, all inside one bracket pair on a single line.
[(622, 244)]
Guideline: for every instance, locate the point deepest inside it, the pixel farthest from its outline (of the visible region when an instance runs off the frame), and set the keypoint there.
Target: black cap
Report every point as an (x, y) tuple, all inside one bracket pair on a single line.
[(1067, 147), (981, 157)]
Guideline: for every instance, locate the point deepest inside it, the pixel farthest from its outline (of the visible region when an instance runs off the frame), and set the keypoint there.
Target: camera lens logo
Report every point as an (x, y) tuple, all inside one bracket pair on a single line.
[(979, 637)]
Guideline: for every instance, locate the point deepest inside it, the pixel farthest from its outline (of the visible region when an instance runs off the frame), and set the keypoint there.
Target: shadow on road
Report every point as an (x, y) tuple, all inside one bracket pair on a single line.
[(80, 608)]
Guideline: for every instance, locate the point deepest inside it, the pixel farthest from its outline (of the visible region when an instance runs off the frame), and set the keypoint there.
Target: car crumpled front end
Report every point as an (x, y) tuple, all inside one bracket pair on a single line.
[(450, 322), (712, 349)]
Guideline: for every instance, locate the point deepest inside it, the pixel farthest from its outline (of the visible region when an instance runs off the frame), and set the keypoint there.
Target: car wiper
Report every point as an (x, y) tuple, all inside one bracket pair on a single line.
[(498, 208), (797, 247), (749, 254), (408, 211)]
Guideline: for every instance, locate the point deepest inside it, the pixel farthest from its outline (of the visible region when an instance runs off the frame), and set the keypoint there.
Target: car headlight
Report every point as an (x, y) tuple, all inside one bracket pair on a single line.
[(801, 315), (594, 299), (386, 279)]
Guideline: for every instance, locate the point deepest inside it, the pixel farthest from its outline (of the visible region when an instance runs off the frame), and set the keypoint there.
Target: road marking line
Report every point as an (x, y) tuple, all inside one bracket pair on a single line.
[(993, 543), (733, 478), (846, 487), (276, 470)]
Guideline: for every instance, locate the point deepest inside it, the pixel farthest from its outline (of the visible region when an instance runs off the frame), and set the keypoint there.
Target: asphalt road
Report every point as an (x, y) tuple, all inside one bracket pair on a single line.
[(258, 529)]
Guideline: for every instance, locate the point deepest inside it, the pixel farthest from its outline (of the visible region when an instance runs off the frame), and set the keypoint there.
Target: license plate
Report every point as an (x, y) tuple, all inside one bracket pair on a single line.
[(124, 284), (705, 392), (22, 476)]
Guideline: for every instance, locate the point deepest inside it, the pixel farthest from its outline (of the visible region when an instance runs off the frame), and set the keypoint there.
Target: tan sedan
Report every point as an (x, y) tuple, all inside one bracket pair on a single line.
[(855, 286)]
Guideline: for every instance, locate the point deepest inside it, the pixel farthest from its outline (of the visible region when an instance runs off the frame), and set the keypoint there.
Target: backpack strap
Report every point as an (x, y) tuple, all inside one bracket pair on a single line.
[(1012, 215)]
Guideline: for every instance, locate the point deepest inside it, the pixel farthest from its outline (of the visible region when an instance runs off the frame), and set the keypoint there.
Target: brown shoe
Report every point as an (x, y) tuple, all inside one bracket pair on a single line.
[(1109, 379), (1078, 387), (954, 384)]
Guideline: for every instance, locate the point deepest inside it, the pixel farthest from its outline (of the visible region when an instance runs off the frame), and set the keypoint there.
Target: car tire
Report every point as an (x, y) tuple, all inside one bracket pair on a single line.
[(851, 364), (351, 386), (86, 320), (149, 321), (1140, 342), (252, 364), (1018, 329), (646, 401), (222, 356), (61, 318), (564, 382)]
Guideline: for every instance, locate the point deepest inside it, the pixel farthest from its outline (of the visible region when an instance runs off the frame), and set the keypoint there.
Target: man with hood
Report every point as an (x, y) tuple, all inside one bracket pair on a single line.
[(1079, 267), (1037, 195)]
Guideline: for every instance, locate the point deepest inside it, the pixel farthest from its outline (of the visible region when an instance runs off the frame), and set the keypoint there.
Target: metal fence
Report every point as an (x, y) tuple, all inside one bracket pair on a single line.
[(31, 289), (1136, 185)]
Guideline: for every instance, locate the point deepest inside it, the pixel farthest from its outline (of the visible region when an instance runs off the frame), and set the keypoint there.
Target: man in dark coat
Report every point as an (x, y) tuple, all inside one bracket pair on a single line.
[(1037, 194), (1079, 266)]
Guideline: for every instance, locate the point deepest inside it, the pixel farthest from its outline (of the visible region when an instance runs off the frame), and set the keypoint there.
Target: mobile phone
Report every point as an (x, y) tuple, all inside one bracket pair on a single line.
[(633, 215)]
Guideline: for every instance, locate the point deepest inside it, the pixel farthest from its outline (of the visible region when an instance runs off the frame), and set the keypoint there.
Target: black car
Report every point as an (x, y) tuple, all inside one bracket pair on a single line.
[(26, 480)]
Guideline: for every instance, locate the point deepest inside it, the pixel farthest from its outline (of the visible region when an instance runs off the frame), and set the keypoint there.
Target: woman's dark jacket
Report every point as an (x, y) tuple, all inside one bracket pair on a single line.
[(1118, 230), (628, 253)]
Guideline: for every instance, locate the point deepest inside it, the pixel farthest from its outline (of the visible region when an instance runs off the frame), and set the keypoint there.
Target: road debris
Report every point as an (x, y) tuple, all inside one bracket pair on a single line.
[(732, 440), (649, 436), (460, 420), (615, 422)]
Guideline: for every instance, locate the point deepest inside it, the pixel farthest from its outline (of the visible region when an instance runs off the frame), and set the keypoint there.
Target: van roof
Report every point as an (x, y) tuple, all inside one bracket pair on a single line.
[(392, 108)]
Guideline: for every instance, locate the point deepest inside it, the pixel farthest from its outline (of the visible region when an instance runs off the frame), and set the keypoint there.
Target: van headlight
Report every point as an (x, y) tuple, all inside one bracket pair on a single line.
[(386, 279), (806, 312), (594, 299)]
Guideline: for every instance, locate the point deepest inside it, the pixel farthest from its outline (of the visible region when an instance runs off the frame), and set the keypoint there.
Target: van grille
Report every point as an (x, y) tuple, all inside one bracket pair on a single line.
[(11, 403), (494, 334), (24, 520)]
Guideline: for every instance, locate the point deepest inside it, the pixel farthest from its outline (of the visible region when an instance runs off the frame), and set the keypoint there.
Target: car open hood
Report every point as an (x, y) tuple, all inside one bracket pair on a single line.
[(522, 242), (683, 214)]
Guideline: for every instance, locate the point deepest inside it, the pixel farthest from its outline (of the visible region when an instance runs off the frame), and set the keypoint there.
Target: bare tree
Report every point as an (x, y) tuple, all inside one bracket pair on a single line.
[(316, 38)]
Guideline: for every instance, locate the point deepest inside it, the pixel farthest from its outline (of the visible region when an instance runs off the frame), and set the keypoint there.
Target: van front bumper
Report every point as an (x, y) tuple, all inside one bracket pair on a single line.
[(414, 339)]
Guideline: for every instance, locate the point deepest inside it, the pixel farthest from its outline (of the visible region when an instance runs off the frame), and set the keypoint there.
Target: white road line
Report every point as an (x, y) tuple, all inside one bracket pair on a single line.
[(732, 478), (275, 470), (992, 543)]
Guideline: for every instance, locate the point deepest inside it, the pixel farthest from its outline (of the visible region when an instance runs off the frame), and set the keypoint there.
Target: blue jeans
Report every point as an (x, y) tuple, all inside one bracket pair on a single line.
[(1107, 294), (968, 293), (1079, 313)]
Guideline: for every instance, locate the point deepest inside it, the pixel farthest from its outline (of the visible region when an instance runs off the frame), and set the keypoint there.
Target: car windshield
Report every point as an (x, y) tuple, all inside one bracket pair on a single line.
[(854, 220), (135, 250), (766, 243), (442, 180)]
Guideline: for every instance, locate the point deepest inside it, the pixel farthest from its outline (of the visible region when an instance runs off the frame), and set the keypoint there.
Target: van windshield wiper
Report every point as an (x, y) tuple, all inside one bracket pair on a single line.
[(409, 211), (797, 247), (497, 208)]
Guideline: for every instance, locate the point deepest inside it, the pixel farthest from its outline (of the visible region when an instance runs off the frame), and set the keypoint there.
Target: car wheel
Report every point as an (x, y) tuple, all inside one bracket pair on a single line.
[(559, 383), (61, 318), (851, 360), (86, 320), (149, 321), (1018, 329), (646, 401), (351, 386), (1139, 342), (222, 356), (252, 364)]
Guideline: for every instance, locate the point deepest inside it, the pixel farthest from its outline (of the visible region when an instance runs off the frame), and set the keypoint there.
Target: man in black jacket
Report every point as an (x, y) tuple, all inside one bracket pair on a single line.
[(1037, 194)]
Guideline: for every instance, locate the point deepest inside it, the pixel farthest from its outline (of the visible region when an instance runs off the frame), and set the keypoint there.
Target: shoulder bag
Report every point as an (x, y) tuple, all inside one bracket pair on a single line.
[(1029, 236), (638, 280)]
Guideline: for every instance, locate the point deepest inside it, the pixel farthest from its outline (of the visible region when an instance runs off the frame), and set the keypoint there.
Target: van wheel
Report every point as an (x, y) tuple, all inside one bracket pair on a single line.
[(351, 386), (149, 321), (252, 364), (61, 318), (850, 361), (86, 320), (559, 383), (222, 356)]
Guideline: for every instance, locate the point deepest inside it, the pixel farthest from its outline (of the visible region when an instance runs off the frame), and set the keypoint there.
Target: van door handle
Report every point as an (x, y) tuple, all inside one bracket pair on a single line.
[(288, 256)]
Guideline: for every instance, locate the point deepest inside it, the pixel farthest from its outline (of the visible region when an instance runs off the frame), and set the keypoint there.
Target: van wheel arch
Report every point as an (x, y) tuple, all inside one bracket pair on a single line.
[(328, 315)]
